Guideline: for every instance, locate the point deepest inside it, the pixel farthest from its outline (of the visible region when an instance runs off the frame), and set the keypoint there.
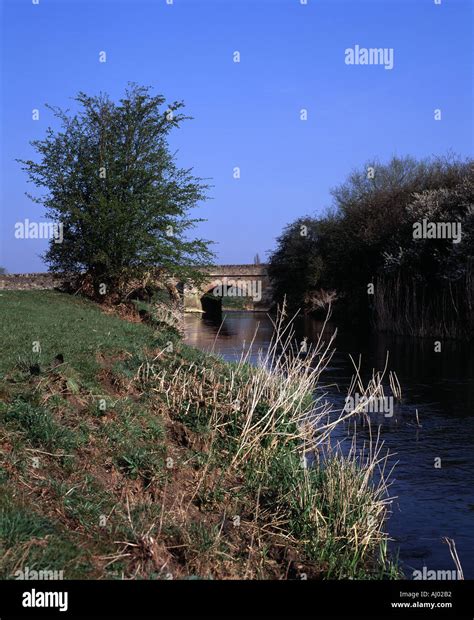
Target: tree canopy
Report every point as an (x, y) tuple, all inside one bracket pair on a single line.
[(368, 234), (111, 181)]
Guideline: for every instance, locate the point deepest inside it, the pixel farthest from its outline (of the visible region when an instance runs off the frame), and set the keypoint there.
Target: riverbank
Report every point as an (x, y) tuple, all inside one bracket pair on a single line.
[(126, 453)]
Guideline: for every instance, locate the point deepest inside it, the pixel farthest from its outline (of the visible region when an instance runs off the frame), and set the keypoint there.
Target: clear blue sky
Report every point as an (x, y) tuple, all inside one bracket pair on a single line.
[(246, 114)]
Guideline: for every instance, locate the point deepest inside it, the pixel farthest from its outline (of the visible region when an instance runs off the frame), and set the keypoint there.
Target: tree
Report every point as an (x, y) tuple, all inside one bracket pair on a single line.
[(369, 236), (114, 187), (435, 261), (374, 218), (295, 266)]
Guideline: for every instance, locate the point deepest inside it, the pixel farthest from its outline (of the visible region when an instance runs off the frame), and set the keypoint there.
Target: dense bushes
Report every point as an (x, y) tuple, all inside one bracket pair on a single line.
[(405, 228)]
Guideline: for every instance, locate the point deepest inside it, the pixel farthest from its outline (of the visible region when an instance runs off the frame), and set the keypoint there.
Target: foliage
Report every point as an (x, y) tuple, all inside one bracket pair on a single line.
[(113, 184), (368, 234), (296, 266)]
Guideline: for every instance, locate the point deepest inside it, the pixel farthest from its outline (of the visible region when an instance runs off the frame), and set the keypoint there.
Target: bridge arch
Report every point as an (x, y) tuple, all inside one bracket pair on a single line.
[(249, 283)]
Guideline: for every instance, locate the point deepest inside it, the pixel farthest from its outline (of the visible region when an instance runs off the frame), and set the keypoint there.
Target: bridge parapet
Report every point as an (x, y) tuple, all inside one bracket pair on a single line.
[(247, 279), (236, 270)]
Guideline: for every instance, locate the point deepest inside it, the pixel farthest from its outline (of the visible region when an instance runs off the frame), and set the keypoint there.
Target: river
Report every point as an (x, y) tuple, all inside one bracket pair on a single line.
[(433, 479)]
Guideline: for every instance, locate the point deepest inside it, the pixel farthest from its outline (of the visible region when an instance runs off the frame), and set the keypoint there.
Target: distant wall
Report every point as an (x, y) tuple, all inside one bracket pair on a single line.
[(29, 281), (192, 296), (232, 271)]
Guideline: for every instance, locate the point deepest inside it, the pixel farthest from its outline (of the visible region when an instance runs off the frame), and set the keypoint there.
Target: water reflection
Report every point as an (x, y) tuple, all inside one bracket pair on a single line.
[(433, 502)]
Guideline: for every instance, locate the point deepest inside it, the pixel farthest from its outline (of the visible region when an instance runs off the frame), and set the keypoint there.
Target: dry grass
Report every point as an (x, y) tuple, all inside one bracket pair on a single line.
[(202, 468), (170, 314), (254, 416)]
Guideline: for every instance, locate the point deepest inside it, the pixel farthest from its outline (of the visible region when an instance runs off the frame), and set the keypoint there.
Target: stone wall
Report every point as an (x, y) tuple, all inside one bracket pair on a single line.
[(232, 274), (192, 301), (233, 271), (29, 281)]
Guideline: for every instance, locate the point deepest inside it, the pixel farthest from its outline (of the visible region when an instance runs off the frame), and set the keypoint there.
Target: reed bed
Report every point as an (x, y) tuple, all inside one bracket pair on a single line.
[(268, 428)]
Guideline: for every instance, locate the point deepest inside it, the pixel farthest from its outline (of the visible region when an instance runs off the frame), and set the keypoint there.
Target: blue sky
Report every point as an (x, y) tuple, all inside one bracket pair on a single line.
[(246, 114)]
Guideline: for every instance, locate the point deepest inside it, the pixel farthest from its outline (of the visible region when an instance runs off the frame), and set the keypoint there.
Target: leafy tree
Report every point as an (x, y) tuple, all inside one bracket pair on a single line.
[(113, 184), (296, 265), (368, 235), (373, 212), (429, 260)]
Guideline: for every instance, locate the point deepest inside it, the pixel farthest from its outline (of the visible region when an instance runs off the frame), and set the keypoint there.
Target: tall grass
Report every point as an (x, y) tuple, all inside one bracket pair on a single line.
[(202, 468), (266, 426), (404, 306)]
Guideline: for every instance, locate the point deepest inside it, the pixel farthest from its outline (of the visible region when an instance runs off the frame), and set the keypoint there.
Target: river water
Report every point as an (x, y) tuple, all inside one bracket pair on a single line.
[(433, 479)]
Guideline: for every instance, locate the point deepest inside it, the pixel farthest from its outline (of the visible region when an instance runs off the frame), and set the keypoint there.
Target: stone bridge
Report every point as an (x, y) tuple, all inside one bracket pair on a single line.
[(248, 283)]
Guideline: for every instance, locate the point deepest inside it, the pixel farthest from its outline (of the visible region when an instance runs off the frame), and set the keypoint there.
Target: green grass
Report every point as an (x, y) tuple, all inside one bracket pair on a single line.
[(73, 327), (39, 426), (236, 303), (53, 411), (102, 499), (41, 543)]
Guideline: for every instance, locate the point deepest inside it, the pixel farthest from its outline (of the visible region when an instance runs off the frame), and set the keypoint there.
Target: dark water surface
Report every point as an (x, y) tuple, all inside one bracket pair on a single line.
[(431, 502)]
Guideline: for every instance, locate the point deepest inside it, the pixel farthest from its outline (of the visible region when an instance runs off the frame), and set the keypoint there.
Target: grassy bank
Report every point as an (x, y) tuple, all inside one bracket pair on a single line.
[(125, 453)]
